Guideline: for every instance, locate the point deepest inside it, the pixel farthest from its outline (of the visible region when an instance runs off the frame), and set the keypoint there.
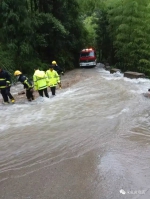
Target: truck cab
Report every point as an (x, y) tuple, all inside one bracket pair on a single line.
[(87, 58)]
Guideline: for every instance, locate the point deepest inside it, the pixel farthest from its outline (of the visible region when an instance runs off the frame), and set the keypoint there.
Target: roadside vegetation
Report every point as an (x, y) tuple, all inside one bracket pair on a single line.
[(35, 32)]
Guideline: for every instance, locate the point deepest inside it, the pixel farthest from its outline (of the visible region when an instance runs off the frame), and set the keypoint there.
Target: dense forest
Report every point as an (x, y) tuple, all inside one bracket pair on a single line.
[(35, 32)]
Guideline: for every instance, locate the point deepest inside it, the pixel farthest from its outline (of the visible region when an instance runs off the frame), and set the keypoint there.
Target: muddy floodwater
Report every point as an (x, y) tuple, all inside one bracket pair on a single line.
[(91, 141)]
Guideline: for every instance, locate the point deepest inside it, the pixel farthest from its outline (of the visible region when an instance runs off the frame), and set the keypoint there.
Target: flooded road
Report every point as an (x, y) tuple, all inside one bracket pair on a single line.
[(91, 141)]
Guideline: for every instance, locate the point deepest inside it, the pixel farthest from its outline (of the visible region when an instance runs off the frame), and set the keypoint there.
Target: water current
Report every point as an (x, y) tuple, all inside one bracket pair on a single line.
[(91, 141)]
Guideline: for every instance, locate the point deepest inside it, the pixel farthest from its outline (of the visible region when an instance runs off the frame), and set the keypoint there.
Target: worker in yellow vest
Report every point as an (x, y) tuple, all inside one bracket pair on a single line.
[(53, 79), (40, 82)]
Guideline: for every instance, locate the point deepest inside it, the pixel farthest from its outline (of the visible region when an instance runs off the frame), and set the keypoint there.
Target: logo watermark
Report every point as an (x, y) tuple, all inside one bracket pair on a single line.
[(140, 192)]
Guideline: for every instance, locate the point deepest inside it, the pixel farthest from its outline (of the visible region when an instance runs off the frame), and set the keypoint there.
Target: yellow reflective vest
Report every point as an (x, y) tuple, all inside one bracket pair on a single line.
[(40, 80), (53, 78)]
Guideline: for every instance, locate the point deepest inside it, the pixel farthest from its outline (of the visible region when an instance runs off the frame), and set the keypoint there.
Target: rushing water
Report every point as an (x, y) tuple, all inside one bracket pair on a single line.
[(91, 141)]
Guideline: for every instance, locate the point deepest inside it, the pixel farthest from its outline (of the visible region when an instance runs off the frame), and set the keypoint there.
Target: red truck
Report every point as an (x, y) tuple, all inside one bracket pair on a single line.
[(87, 58)]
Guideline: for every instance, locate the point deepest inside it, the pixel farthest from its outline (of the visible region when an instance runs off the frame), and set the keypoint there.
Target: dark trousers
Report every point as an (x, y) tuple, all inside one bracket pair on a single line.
[(29, 94), (53, 90), (6, 93), (43, 91)]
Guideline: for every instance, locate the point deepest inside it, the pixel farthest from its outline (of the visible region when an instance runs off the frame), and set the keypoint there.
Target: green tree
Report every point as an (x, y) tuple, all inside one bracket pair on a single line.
[(129, 25), (16, 31), (35, 32)]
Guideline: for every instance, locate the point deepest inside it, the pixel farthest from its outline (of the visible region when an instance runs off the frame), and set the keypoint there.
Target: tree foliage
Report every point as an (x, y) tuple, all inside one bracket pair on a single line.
[(129, 22), (35, 32), (121, 32)]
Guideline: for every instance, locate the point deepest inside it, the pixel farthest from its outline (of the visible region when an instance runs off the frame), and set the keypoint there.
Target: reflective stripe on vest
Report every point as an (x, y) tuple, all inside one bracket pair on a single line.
[(3, 81), (2, 86), (52, 85), (42, 87)]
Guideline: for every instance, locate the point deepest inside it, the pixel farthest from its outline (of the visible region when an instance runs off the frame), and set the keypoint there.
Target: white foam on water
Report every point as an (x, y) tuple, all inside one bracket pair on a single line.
[(141, 85), (40, 110), (125, 110)]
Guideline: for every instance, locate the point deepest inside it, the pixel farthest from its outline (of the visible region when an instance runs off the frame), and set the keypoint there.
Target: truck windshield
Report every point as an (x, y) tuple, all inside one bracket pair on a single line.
[(87, 54)]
